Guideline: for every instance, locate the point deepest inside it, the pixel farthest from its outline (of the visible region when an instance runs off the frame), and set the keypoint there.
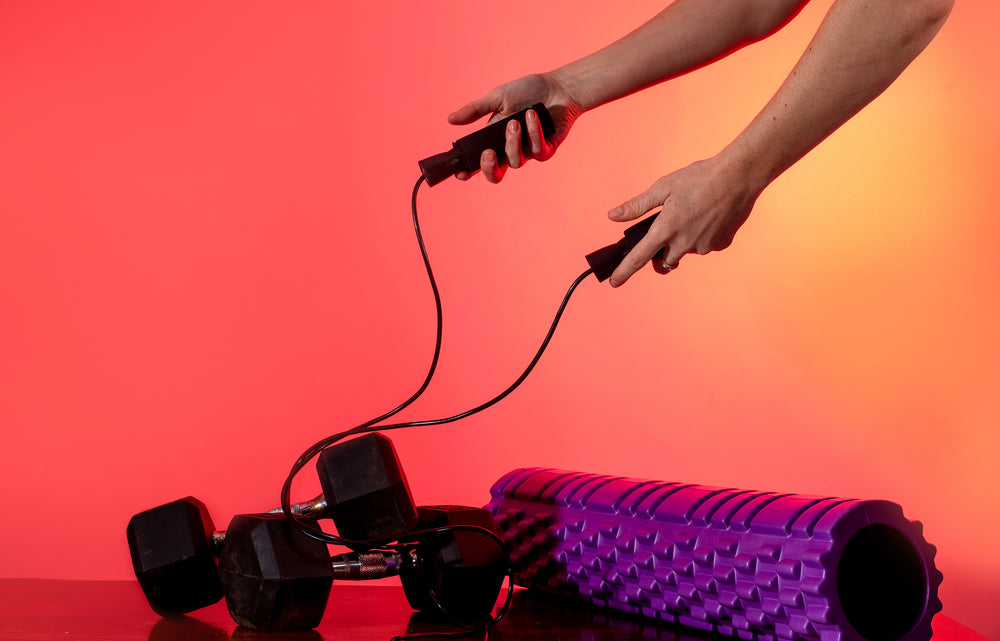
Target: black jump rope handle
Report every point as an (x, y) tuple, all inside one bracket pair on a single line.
[(605, 261), (466, 152)]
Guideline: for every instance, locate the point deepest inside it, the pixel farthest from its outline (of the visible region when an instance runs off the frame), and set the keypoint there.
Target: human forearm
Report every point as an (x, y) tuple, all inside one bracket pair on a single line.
[(686, 35), (859, 50), (861, 47)]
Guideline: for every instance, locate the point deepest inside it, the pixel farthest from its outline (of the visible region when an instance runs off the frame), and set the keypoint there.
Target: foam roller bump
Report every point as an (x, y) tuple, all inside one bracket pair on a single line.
[(760, 566)]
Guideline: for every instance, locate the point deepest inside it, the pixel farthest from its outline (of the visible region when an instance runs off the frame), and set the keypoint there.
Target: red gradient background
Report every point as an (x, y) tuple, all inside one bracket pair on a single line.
[(207, 263)]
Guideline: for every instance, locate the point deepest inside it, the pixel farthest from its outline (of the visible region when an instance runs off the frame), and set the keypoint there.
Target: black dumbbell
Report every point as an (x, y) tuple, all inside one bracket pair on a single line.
[(174, 547), (278, 579), (275, 577), (456, 573), (365, 490)]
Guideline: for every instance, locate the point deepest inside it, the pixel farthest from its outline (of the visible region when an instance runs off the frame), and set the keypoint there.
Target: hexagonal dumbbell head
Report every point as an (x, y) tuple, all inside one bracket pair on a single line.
[(275, 578), (459, 573), (173, 558), (365, 489)]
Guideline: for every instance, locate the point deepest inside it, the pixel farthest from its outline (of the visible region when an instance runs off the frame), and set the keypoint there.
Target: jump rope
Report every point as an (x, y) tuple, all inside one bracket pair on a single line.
[(464, 156)]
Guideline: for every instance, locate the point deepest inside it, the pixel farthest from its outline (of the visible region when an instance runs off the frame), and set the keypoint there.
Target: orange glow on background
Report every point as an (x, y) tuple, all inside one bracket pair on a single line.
[(207, 263)]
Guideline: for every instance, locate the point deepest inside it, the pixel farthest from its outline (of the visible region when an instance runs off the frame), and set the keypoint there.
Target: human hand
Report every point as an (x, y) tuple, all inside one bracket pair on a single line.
[(703, 206), (510, 98)]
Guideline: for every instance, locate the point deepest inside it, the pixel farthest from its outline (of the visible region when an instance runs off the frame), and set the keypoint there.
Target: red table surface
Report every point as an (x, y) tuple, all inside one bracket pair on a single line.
[(46, 610)]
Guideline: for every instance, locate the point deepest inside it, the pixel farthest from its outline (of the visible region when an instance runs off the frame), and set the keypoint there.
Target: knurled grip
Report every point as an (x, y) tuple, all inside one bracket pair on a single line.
[(760, 566)]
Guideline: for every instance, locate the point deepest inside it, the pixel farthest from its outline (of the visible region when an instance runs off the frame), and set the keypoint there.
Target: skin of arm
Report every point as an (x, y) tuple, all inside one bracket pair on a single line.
[(859, 49), (685, 36), (688, 34)]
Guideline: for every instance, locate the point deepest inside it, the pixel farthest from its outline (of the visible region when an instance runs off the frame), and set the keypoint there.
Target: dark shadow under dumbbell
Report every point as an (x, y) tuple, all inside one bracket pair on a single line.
[(186, 628)]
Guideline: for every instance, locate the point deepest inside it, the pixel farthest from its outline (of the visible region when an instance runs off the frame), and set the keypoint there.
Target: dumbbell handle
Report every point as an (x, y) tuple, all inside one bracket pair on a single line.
[(316, 508), (215, 542), (353, 566), (361, 566)]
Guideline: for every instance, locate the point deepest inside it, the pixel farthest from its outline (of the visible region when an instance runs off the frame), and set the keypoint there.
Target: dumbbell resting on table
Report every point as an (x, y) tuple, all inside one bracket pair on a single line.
[(175, 546), (278, 579)]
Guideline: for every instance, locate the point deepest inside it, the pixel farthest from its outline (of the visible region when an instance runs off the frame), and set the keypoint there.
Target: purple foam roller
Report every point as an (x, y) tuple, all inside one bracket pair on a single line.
[(760, 566)]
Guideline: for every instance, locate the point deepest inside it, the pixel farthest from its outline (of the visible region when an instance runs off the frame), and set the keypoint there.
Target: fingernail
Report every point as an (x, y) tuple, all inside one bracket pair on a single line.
[(512, 126), (532, 116), (614, 283), (615, 213)]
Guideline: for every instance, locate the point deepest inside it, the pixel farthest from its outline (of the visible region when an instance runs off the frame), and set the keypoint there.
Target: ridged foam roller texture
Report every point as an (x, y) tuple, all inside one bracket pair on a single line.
[(760, 566)]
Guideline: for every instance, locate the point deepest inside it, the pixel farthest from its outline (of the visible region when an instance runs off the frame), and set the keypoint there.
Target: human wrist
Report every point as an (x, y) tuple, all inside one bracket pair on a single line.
[(749, 165), (571, 88)]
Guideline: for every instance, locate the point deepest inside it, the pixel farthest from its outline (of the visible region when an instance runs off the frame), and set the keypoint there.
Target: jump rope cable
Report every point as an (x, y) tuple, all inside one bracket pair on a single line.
[(374, 425)]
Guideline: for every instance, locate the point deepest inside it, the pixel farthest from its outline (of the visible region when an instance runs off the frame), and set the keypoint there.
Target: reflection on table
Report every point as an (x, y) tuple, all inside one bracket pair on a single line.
[(43, 610)]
